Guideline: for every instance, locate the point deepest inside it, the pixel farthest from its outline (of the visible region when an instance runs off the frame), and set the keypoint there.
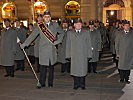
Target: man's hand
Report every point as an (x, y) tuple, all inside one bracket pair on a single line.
[(89, 59), (22, 46), (117, 56), (56, 43), (68, 59)]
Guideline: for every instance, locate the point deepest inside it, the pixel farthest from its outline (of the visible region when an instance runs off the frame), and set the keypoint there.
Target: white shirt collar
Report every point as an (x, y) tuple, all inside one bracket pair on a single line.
[(65, 29), (18, 27), (7, 28), (78, 31), (126, 31), (91, 30), (48, 23)]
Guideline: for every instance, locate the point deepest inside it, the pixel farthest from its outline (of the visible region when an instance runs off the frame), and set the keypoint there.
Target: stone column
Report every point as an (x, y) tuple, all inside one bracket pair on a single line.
[(85, 10), (100, 10), (89, 9), (94, 9)]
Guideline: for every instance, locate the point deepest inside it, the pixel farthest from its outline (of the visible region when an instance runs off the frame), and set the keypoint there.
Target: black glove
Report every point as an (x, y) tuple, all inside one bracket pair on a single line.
[(68, 59), (89, 59)]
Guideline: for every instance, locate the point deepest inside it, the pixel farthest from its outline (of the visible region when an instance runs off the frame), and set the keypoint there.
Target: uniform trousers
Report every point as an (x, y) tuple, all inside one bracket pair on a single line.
[(43, 75), (65, 67), (9, 70), (124, 74), (37, 64), (20, 64), (79, 81), (92, 65)]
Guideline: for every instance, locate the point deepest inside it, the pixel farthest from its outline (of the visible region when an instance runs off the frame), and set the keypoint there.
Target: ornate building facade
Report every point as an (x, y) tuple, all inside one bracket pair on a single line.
[(102, 10)]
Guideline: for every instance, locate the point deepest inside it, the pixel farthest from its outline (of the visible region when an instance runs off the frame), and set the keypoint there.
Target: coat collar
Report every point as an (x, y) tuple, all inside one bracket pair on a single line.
[(129, 32), (82, 30), (50, 23)]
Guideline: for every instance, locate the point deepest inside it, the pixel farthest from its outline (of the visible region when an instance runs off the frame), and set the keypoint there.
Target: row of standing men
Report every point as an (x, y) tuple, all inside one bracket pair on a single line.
[(78, 45), (121, 38)]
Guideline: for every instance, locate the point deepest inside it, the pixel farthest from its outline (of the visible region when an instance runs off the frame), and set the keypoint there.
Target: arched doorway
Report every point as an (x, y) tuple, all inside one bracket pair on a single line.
[(72, 9), (117, 9)]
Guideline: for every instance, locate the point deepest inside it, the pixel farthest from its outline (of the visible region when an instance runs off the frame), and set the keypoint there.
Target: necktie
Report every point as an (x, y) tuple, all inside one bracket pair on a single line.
[(126, 32), (78, 32), (5, 30), (47, 25)]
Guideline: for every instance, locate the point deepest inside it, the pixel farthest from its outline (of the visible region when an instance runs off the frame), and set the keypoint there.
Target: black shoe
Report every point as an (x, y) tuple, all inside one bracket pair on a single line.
[(22, 69), (127, 81), (50, 85), (89, 71), (12, 75), (17, 69), (6, 75), (83, 88), (94, 72), (121, 80), (75, 88), (38, 87)]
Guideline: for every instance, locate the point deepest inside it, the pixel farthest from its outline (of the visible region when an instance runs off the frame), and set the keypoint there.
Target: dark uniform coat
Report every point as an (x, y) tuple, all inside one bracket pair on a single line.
[(47, 51), (62, 50), (78, 48), (36, 47), (124, 48), (30, 49), (21, 34), (8, 44), (96, 44)]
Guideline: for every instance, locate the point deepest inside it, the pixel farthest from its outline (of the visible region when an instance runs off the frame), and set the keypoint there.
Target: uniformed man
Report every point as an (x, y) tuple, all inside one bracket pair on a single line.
[(8, 48), (112, 40), (1, 27), (30, 49), (96, 24), (102, 34), (117, 32), (47, 50), (96, 46), (124, 51), (19, 56), (78, 50), (62, 49)]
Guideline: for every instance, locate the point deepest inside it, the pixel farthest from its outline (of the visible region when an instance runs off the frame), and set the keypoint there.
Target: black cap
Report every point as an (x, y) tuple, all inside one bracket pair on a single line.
[(78, 20), (47, 13), (17, 20), (31, 24), (126, 22), (120, 22), (39, 15), (91, 22), (64, 21), (96, 21), (7, 20)]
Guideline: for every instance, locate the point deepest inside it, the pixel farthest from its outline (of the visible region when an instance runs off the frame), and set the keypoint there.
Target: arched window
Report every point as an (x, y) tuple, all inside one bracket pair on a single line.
[(110, 2)]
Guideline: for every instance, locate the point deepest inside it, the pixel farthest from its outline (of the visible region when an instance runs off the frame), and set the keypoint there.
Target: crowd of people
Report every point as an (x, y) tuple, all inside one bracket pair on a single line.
[(76, 46)]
